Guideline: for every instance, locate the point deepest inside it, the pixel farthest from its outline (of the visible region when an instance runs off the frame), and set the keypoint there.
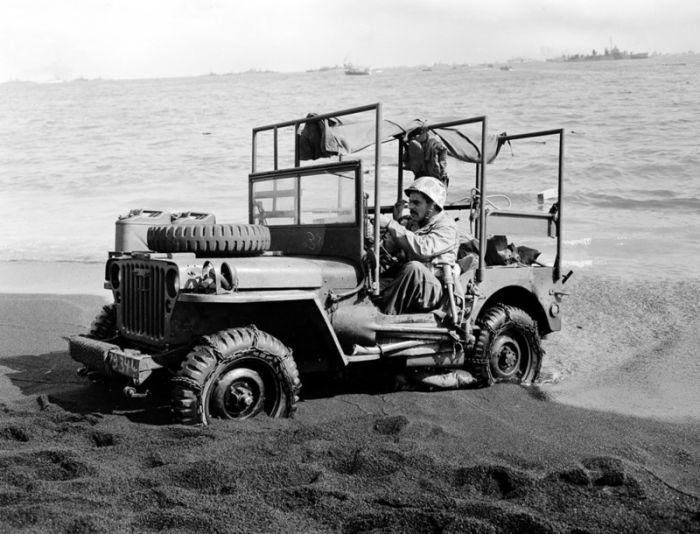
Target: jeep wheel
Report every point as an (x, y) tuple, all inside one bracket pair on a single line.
[(507, 349), (104, 326), (213, 240), (235, 374)]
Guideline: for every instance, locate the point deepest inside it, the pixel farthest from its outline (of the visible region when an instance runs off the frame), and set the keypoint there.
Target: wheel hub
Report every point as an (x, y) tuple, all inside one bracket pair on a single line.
[(508, 357), (239, 393), (240, 396), (505, 363)]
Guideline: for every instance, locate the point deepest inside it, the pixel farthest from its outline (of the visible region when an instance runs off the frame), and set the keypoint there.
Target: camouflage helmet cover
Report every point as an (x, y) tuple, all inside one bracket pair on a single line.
[(431, 187)]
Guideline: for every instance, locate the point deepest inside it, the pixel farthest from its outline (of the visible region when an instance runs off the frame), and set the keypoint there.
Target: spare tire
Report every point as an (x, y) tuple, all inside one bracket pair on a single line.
[(212, 240)]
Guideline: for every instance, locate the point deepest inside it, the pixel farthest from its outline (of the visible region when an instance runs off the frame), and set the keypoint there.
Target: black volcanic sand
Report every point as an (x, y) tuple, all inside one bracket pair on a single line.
[(78, 458)]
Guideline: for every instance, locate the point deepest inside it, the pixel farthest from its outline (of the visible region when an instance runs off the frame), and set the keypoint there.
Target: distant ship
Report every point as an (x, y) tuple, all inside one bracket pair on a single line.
[(613, 53), (355, 70)]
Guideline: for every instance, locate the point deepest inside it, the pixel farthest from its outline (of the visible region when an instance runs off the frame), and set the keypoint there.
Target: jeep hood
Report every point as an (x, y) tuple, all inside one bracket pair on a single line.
[(281, 272)]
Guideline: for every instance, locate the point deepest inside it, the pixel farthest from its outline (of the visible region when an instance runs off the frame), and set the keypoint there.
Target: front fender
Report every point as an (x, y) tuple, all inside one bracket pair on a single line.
[(296, 317)]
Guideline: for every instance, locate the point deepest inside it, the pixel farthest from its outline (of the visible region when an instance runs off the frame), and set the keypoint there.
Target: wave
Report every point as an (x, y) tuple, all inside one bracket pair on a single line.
[(584, 241), (687, 204), (69, 170), (606, 200)]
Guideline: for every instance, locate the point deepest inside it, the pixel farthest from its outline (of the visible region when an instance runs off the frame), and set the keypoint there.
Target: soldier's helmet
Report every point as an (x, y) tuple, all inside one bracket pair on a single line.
[(431, 187)]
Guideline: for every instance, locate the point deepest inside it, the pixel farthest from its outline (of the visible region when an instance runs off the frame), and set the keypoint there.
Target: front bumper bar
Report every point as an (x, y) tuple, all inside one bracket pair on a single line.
[(109, 359)]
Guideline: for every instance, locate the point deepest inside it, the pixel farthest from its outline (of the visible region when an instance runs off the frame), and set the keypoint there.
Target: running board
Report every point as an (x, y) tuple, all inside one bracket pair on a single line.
[(436, 349)]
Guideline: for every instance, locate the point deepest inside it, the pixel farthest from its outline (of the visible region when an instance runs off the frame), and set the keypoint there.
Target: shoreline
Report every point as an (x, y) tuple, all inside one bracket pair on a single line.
[(53, 277)]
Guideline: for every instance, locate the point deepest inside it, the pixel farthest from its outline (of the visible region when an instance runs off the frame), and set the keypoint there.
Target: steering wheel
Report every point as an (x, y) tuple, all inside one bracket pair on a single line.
[(389, 262)]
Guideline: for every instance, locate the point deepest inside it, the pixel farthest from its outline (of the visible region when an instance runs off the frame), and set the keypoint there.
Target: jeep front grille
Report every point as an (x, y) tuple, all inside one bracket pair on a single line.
[(143, 303)]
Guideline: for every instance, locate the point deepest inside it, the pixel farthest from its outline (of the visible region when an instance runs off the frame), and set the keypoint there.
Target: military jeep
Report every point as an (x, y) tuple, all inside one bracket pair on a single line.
[(235, 316)]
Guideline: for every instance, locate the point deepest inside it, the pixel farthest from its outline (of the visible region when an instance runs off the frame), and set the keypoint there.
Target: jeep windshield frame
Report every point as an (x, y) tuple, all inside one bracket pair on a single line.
[(296, 124), (313, 210)]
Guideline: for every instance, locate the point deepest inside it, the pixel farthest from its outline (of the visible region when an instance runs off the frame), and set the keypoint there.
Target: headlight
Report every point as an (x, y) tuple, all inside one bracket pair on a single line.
[(172, 283), (229, 277), (115, 276)]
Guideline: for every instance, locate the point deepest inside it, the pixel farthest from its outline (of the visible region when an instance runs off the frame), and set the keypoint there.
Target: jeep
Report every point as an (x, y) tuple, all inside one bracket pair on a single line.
[(235, 316)]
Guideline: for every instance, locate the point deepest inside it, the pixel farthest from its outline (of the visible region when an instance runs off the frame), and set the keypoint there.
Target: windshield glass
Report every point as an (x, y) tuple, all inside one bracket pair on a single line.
[(325, 198)]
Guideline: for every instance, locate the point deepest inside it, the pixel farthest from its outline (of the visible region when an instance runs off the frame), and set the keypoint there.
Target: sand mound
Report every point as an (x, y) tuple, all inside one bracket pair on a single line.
[(630, 347), (496, 461)]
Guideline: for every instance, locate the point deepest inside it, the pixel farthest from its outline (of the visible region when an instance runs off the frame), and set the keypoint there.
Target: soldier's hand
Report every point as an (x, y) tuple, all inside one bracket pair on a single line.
[(399, 209), (384, 220)]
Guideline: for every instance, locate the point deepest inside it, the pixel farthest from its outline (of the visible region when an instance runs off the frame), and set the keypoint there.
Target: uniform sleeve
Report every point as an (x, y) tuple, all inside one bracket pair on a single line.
[(424, 247)]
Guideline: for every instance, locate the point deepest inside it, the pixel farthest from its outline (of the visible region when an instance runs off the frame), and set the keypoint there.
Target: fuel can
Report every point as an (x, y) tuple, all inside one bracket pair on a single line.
[(131, 229)]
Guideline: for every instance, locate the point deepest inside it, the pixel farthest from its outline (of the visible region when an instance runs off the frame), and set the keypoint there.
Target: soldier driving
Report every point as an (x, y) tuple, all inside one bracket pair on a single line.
[(429, 240)]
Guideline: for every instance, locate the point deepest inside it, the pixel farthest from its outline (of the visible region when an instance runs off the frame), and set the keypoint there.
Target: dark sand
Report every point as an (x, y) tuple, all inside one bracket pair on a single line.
[(75, 458)]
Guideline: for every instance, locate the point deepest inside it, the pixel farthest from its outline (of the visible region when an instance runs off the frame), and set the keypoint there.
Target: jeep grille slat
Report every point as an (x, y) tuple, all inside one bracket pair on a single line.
[(143, 296)]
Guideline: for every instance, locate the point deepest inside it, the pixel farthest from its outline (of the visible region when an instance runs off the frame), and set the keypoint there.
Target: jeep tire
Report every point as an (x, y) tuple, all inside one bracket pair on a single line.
[(104, 326), (235, 374), (210, 240), (507, 347)]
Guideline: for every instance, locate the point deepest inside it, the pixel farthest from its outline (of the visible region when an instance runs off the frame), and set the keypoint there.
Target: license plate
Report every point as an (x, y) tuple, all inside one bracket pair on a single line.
[(124, 364)]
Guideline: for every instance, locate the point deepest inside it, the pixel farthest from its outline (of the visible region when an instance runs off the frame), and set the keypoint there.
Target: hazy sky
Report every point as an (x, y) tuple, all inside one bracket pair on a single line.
[(44, 40)]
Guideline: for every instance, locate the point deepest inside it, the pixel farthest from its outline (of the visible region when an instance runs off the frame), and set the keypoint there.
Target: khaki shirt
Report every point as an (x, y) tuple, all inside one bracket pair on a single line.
[(435, 242)]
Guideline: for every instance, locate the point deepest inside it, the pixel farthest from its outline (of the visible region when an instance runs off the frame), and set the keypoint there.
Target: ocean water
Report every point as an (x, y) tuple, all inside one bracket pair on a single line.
[(76, 155)]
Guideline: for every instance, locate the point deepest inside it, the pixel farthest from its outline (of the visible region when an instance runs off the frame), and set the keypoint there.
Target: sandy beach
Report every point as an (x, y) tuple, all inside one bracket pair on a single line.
[(77, 458)]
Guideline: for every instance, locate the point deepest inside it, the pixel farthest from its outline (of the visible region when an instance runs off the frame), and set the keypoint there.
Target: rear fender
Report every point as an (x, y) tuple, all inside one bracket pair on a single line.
[(525, 288)]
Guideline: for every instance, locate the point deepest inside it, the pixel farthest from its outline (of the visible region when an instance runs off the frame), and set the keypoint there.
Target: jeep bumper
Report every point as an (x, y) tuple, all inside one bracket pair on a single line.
[(109, 359)]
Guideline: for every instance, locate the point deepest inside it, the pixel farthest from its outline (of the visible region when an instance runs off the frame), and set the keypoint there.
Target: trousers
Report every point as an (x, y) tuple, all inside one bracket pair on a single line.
[(415, 289)]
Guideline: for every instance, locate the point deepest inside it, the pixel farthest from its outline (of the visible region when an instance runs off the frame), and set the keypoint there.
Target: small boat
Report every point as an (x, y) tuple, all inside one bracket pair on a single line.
[(354, 70)]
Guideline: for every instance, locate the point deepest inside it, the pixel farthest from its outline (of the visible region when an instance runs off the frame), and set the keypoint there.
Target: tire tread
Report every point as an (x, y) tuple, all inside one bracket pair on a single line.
[(210, 240), (489, 324), (224, 347)]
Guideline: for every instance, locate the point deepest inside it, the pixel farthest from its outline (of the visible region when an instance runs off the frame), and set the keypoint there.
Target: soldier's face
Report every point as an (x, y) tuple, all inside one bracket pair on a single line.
[(420, 207)]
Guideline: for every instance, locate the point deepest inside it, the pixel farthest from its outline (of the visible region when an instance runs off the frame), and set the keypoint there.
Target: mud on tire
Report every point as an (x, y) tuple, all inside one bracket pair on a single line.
[(508, 347), (212, 240), (104, 326), (235, 374)]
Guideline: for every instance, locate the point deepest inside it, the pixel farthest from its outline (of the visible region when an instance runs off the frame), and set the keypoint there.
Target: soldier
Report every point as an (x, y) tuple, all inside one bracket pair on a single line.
[(429, 240), (426, 155)]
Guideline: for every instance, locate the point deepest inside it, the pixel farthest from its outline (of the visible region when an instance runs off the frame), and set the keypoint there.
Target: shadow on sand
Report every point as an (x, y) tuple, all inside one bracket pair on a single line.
[(53, 378)]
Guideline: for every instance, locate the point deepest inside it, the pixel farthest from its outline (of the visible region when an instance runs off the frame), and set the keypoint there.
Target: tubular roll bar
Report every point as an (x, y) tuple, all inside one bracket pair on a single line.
[(556, 274), (480, 181), (298, 122), (377, 108), (480, 173)]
